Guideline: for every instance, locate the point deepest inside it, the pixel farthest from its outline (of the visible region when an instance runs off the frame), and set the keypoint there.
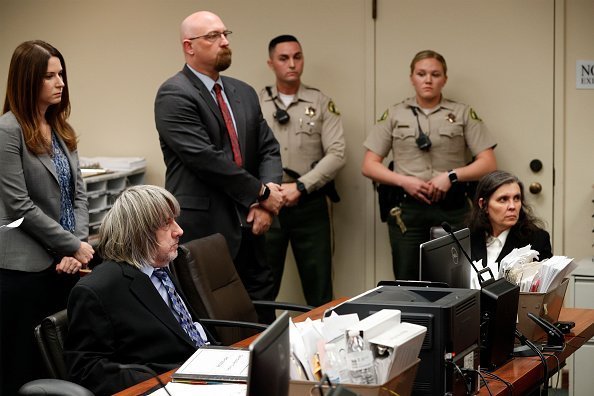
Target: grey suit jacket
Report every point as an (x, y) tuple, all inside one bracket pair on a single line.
[(214, 193), (29, 188)]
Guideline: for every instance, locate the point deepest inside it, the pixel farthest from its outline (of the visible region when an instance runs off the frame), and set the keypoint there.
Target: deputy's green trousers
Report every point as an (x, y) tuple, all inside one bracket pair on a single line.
[(418, 218), (307, 227)]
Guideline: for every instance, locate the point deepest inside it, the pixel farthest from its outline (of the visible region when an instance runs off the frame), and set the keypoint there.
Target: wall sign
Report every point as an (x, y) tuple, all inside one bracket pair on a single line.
[(584, 74)]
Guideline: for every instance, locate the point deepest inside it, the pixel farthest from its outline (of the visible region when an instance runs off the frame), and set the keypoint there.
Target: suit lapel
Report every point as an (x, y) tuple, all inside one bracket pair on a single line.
[(49, 165), (205, 95), (143, 289)]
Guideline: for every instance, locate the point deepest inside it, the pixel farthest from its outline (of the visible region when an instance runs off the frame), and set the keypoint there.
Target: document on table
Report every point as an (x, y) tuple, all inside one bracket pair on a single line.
[(222, 389), (10, 226), (211, 363)]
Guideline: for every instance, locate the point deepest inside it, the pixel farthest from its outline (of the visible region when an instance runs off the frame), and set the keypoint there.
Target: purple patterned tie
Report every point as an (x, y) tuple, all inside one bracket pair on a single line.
[(185, 320), (230, 127)]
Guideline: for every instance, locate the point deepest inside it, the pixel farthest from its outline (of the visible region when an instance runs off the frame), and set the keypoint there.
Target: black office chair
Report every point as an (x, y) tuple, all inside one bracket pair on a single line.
[(50, 335), (208, 279), (53, 387)]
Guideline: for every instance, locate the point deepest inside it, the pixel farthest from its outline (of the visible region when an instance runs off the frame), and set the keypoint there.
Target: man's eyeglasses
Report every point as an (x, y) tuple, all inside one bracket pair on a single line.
[(213, 36)]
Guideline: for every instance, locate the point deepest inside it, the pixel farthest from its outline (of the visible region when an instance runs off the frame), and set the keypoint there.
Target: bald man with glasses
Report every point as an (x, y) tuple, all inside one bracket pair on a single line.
[(223, 162)]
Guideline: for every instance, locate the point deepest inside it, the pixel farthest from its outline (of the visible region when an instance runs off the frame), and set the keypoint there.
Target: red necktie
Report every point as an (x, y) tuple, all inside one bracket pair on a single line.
[(230, 126)]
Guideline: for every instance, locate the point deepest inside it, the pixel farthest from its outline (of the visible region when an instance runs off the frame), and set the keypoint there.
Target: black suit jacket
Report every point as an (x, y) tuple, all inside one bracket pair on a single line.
[(116, 316), (214, 193), (539, 240)]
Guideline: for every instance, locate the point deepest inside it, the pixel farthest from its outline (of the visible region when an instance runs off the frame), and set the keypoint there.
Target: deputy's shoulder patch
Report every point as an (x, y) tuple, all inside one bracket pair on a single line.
[(332, 108), (474, 116), (383, 117)]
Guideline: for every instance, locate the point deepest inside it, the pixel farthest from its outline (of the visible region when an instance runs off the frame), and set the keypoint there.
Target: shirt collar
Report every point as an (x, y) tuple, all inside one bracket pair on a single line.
[(206, 80), (148, 269), (303, 94), (499, 239), (443, 103)]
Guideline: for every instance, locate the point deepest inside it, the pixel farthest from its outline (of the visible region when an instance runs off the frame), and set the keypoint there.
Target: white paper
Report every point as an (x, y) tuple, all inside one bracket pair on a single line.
[(10, 226), (217, 362)]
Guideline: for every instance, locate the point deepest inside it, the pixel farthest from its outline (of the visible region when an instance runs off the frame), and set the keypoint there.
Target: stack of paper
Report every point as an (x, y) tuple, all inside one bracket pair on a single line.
[(517, 257), (400, 346), (211, 363), (395, 345), (520, 267), (553, 271), (115, 163)]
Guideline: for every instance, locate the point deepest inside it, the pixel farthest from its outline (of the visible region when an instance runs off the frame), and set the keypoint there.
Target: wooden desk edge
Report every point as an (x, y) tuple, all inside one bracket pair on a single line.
[(147, 385), (583, 331), (531, 367)]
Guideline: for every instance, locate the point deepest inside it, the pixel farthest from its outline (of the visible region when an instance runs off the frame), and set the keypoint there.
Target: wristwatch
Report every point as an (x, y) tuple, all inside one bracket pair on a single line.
[(301, 187), (453, 176), (264, 194)]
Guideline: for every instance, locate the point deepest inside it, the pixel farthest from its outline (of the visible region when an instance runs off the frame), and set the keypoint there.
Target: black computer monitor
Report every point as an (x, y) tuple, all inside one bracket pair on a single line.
[(269, 369), (441, 260)]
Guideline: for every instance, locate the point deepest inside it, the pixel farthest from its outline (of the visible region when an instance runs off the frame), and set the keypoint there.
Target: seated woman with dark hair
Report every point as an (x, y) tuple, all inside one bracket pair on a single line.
[(501, 220)]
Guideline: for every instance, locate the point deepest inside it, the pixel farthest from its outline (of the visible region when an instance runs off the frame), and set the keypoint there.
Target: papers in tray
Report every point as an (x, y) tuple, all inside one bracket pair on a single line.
[(553, 271), (519, 267), (88, 172), (211, 363), (114, 163)]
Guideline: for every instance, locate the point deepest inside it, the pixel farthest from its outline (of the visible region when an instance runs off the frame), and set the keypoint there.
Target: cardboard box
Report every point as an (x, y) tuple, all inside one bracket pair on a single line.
[(402, 385), (546, 305)]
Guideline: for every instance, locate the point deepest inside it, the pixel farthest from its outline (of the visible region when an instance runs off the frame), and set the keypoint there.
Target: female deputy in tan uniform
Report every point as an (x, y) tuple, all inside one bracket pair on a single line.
[(432, 140)]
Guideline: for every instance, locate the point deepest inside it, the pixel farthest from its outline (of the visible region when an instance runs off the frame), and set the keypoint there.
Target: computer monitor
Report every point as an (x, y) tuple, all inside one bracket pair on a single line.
[(441, 260), (269, 369)]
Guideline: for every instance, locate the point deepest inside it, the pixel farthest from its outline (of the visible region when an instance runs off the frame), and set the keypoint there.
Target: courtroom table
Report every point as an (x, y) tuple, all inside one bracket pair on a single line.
[(524, 373), (145, 386)]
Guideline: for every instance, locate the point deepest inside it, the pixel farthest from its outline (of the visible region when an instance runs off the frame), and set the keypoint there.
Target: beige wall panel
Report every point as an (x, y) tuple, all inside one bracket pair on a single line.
[(119, 52), (579, 133)]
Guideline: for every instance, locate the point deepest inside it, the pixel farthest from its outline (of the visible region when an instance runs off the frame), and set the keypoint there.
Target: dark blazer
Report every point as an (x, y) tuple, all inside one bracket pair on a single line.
[(116, 316), (540, 241), (214, 193), (29, 188)]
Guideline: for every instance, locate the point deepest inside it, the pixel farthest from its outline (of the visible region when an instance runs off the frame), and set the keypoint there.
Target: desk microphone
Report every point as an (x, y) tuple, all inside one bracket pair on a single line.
[(114, 367), (479, 273)]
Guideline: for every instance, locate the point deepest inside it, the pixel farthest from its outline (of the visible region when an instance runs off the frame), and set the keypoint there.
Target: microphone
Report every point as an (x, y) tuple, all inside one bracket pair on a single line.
[(479, 273), (114, 367), (555, 338)]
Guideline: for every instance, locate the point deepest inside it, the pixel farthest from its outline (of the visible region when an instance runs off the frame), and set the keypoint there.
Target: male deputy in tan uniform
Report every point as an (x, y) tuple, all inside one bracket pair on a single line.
[(309, 129), (438, 146)]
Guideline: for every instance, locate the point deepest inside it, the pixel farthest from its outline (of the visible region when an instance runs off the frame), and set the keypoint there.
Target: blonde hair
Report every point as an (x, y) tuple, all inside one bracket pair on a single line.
[(428, 54), (128, 231)]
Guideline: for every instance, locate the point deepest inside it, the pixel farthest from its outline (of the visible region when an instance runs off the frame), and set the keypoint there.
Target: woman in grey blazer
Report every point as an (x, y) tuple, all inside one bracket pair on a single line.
[(40, 181)]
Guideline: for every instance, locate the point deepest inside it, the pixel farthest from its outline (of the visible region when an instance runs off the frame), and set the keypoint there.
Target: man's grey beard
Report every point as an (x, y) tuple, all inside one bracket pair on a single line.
[(223, 60)]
